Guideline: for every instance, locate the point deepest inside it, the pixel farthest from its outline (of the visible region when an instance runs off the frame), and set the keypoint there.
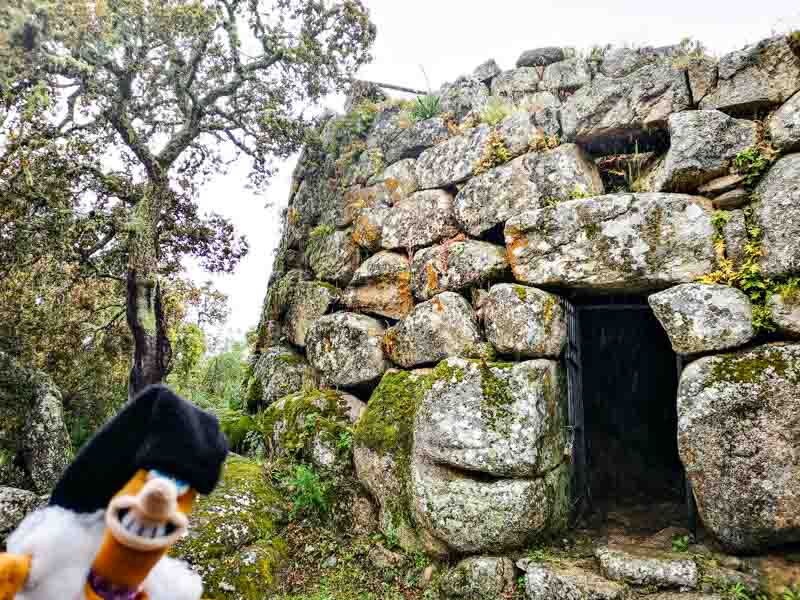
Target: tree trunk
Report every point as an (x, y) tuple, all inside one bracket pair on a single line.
[(145, 317)]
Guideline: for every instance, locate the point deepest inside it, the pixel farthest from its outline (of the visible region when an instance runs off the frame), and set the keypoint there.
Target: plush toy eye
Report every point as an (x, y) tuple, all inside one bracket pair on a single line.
[(181, 486)]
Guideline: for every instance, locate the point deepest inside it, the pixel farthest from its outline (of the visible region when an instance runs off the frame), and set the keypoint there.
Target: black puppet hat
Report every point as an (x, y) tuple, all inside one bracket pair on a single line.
[(156, 430)]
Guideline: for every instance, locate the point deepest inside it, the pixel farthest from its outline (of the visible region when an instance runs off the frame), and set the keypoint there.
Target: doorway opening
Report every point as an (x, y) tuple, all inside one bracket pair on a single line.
[(623, 383)]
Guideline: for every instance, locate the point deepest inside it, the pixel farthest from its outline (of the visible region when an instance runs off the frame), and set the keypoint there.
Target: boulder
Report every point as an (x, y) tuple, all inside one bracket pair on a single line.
[(15, 504), (493, 197), (622, 242), (517, 130), (735, 198), (517, 84), (785, 311), (346, 349), (784, 126), (454, 266), (400, 179), (479, 578), (324, 451), (444, 326), (619, 62), (34, 444), (279, 371), (570, 580), (703, 146), (381, 286), (605, 114), (495, 419), (415, 139), (464, 96), (778, 215), (541, 57), (702, 318), (421, 219), (739, 440), (524, 321), (736, 238), (641, 566), (368, 228), (758, 76), (487, 71), (311, 300), (564, 173), (453, 161), (566, 75), (333, 255), (720, 185)]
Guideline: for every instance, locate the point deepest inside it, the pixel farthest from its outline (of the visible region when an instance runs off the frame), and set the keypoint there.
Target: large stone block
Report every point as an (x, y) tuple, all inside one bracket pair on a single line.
[(381, 286), (784, 125), (454, 266), (310, 301), (778, 214), (333, 255), (421, 219), (739, 440), (453, 161), (280, 371), (621, 242)]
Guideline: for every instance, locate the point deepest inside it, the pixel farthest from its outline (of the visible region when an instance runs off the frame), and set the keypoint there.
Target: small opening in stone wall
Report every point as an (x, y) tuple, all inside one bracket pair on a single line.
[(629, 381)]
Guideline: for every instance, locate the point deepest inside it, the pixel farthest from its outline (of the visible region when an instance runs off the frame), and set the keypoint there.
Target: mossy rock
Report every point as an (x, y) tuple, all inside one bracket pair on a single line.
[(236, 426), (233, 542)]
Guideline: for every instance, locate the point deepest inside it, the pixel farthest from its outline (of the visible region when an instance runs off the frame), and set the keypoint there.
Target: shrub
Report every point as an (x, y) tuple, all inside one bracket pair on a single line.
[(308, 492), (426, 107), (495, 111)]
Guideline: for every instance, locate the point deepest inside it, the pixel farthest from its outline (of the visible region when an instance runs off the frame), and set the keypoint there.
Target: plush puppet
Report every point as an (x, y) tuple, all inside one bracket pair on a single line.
[(118, 508)]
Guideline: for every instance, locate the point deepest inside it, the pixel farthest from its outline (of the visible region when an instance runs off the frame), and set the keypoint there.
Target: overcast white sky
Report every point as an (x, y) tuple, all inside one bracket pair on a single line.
[(451, 37)]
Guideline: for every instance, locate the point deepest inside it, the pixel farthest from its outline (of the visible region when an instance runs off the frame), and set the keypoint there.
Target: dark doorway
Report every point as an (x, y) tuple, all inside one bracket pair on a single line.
[(625, 375)]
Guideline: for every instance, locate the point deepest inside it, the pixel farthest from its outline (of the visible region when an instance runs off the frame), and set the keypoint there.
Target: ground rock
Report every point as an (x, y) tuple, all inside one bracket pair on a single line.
[(704, 318), (280, 371), (494, 419), (311, 300), (441, 327), (454, 266), (648, 567), (758, 76), (540, 57), (785, 310), (453, 161), (784, 125), (563, 173), (15, 504), (480, 578), (421, 219), (703, 146), (524, 321), (778, 214), (466, 95), (34, 445), (567, 581), (381, 286), (416, 138), (346, 349), (333, 256), (616, 242), (739, 440)]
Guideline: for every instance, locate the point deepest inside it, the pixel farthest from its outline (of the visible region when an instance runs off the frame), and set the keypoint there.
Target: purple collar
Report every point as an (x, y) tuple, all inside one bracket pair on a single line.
[(110, 591)]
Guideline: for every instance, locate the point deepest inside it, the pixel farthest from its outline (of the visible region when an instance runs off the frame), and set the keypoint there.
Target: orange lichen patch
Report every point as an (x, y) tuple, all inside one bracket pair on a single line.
[(432, 277), (390, 341), (365, 232), (517, 243), (437, 305)]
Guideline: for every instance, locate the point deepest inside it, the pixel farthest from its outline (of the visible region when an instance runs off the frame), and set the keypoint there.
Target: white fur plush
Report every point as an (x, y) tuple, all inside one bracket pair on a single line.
[(62, 546)]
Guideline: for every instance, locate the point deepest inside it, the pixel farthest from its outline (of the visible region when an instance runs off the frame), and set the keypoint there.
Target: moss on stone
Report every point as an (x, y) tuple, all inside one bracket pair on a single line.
[(496, 398), (522, 292), (750, 367), (236, 426), (592, 230)]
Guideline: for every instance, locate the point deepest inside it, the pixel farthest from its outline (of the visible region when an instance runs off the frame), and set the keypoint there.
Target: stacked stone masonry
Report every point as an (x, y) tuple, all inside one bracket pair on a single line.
[(443, 249)]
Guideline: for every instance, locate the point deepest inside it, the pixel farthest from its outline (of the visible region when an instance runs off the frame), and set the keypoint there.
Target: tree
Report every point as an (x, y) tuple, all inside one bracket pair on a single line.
[(173, 91)]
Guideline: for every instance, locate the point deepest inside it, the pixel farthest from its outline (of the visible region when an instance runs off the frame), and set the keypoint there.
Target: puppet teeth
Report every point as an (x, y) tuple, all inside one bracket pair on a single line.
[(127, 520), (161, 531)]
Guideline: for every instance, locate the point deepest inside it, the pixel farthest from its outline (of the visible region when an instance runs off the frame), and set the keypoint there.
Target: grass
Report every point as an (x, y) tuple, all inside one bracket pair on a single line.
[(426, 107)]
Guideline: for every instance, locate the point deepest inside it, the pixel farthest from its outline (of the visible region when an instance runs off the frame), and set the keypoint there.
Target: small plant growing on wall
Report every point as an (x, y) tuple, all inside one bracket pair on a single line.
[(427, 107)]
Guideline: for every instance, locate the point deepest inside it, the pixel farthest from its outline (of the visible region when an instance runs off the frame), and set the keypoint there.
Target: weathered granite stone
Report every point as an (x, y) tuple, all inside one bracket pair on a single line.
[(704, 144), (619, 62), (598, 116), (546, 110), (784, 125), (566, 75), (454, 266), (739, 440), (381, 286), (758, 76), (368, 228), (624, 242), (281, 371), (564, 173), (34, 443), (735, 236), (540, 57), (524, 321), (15, 504), (333, 256), (416, 138), (517, 131), (421, 219), (569, 581), (464, 96), (479, 578), (516, 84), (378, 195), (346, 349), (735, 198), (785, 310), (778, 215), (703, 75), (720, 185), (310, 301), (641, 566), (494, 419), (400, 179), (323, 450), (444, 326), (487, 71), (477, 515), (704, 318), (493, 197), (453, 161)]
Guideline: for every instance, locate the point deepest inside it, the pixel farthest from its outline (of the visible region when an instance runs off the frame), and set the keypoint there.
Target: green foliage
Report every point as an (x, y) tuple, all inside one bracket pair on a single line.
[(579, 192), (752, 163), (680, 543), (308, 492), (495, 153), (793, 592), (426, 107), (495, 111), (321, 231)]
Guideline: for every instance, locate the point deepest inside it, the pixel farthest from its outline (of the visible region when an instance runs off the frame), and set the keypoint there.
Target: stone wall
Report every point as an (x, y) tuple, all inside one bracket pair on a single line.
[(423, 262)]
